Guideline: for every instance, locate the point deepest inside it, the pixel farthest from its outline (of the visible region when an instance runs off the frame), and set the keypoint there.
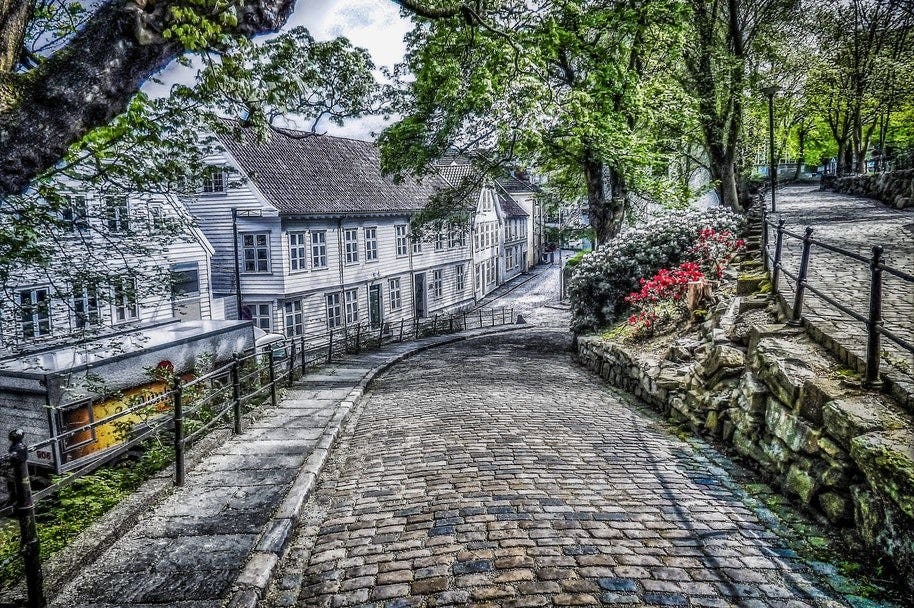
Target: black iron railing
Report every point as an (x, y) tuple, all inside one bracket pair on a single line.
[(873, 320), (187, 410)]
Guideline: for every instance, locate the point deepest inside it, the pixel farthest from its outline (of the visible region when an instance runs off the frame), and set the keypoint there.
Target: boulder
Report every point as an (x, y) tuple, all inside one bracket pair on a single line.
[(814, 394), (783, 365), (795, 434), (887, 460), (844, 419), (837, 507), (800, 482)]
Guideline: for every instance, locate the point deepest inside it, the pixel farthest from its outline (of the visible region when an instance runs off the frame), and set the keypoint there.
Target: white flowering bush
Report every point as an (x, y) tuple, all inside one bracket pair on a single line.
[(605, 276)]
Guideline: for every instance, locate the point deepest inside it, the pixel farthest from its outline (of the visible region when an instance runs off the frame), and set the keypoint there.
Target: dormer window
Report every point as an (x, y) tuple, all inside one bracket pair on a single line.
[(214, 180)]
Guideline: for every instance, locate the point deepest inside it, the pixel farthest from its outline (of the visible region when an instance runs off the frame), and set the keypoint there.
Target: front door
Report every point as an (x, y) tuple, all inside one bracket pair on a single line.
[(419, 292), (374, 306)]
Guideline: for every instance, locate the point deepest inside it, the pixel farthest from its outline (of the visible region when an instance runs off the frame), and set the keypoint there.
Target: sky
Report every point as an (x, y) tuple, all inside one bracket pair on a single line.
[(374, 25)]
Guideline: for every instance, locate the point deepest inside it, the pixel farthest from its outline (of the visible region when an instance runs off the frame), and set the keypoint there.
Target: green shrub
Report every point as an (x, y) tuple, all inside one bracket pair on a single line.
[(606, 275)]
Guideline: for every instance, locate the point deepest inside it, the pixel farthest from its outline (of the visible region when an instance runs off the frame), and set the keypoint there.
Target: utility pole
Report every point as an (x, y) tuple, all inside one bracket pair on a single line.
[(772, 169)]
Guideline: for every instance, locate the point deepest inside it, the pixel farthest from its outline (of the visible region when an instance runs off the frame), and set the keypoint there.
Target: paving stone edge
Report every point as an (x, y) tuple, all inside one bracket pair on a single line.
[(253, 581)]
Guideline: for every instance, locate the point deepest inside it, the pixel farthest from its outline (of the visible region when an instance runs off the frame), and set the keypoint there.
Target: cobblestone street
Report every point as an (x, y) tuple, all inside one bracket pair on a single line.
[(498, 472), (856, 224)]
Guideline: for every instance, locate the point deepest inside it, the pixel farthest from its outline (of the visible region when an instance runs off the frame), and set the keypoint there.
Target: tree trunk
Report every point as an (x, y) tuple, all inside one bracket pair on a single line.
[(801, 137), (724, 174), (605, 205), (14, 17)]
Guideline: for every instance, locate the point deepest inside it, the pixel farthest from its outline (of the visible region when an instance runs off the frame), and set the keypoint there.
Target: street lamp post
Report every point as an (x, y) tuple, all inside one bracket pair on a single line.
[(771, 91)]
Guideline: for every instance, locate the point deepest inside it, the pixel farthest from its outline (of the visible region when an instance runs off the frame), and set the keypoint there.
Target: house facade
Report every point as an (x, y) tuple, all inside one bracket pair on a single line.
[(48, 306), (322, 239), (526, 195), (514, 245)]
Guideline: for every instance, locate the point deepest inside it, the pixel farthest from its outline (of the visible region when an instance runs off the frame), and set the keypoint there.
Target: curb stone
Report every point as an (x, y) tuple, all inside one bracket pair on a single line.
[(252, 584)]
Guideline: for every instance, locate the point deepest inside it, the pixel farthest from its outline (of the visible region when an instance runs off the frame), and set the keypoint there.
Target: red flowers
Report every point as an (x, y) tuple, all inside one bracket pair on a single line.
[(666, 284), (714, 250)]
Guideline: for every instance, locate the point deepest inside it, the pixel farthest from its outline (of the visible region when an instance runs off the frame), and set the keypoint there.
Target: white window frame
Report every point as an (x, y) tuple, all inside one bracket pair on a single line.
[(214, 180), (260, 312), (439, 241), (460, 281), (38, 309), (298, 251), (395, 293), (351, 245), (437, 284), (351, 299), (117, 213), (371, 244), (417, 246), (255, 249), (401, 232), (76, 213), (318, 242), (123, 308), (85, 306), (334, 305), (293, 318)]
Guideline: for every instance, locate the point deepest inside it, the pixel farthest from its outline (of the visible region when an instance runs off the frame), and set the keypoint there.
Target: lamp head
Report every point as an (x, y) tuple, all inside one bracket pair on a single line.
[(771, 90)]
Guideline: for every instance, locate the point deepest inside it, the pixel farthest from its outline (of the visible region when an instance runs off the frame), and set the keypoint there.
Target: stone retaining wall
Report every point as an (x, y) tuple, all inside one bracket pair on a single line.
[(774, 396), (894, 188)]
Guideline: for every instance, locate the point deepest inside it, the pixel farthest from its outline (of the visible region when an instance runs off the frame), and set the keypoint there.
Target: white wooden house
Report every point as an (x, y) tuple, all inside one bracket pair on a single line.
[(526, 194), (322, 239), (514, 245), (68, 352)]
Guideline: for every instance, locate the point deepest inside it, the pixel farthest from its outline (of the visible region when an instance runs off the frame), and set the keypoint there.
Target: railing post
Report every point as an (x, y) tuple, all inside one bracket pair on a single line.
[(272, 375), (435, 325), (330, 348), (236, 395), (465, 321), (764, 237), (450, 326), (25, 513), (291, 361), (493, 317), (401, 330), (179, 431), (874, 322), (502, 315), (358, 337), (797, 315), (304, 360), (776, 265), (480, 318), (380, 334)]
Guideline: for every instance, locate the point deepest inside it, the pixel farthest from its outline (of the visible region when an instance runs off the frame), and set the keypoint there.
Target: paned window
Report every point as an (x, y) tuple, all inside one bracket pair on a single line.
[(85, 306), (439, 241), (334, 310), (371, 244), (34, 312), (124, 300), (460, 277), (256, 252), (417, 245), (259, 314), (214, 180), (319, 249), (117, 213), (396, 301), (297, 251), (352, 306), (437, 283), (402, 240), (76, 213), (351, 239), (295, 325)]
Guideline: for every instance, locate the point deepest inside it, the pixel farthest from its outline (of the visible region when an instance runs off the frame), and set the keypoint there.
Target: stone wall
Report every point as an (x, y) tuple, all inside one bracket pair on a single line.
[(771, 394), (894, 188)]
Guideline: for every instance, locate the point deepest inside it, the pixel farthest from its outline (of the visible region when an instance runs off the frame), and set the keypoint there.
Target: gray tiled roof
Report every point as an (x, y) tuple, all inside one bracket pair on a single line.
[(509, 206), (515, 184), (314, 174)]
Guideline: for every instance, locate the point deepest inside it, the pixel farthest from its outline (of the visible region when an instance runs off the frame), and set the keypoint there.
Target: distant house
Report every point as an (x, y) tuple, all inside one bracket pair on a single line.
[(514, 244), (526, 194), (322, 239)]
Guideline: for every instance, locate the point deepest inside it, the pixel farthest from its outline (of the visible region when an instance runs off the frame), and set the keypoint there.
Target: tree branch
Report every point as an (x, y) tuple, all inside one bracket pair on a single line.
[(91, 80)]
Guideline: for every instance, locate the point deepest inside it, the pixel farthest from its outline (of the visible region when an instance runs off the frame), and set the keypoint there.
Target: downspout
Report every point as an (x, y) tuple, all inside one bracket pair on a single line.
[(339, 251)]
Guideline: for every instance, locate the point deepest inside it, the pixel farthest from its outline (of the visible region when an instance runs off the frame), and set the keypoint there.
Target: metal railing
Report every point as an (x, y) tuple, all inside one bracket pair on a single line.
[(873, 320), (188, 409)]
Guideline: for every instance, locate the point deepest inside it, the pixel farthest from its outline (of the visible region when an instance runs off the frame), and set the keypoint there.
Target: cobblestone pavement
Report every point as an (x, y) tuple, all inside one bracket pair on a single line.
[(497, 472), (188, 549), (855, 224)]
